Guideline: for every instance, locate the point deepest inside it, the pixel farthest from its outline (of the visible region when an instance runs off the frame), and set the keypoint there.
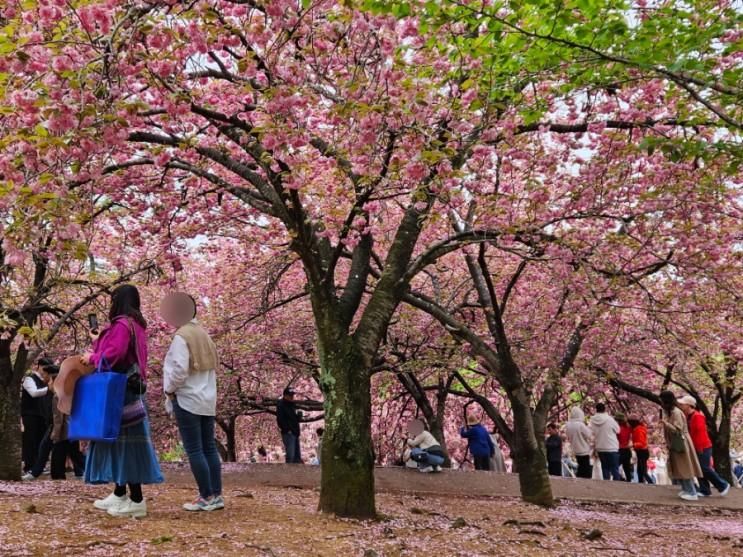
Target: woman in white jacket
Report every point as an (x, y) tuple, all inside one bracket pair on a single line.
[(581, 441)]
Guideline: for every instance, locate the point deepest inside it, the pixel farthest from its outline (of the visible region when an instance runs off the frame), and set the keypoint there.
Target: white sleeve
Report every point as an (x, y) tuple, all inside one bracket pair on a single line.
[(30, 387), (175, 367)]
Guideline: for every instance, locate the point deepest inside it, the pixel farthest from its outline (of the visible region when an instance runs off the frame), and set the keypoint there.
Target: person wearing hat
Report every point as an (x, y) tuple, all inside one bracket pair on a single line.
[(287, 418), (35, 412), (190, 385), (625, 446), (479, 442), (703, 447), (682, 464)]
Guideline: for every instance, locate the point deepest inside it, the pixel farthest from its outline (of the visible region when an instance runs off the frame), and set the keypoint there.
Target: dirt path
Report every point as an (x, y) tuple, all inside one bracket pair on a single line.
[(467, 483), (46, 518)]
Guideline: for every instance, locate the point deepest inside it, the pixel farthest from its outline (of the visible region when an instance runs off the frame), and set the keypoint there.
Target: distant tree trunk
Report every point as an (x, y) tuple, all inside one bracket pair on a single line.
[(229, 449), (347, 481), (528, 449), (721, 443), (11, 374)]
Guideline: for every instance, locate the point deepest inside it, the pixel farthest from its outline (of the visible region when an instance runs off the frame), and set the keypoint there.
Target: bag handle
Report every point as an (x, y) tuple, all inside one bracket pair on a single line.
[(100, 366)]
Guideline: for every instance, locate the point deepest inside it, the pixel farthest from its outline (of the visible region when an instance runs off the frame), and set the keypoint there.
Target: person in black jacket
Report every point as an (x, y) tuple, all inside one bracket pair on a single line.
[(35, 412), (553, 443), (287, 418)]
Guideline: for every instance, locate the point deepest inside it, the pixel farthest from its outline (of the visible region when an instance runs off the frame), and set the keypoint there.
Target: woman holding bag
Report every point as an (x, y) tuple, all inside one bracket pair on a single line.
[(683, 464), (131, 459)]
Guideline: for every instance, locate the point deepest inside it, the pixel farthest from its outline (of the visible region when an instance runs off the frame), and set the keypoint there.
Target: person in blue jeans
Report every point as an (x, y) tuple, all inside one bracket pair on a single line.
[(190, 385), (424, 448), (606, 443), (479, 443)]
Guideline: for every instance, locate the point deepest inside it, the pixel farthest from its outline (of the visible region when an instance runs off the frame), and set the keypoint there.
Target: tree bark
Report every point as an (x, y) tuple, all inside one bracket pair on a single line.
[(528, 452), (10, 411), (347, 463), (721, 445)]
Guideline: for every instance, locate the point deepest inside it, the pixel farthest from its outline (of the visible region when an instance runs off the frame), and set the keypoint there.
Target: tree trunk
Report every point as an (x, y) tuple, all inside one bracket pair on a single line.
[(347, 463), (528, 453), (10, 413), (721, 445)]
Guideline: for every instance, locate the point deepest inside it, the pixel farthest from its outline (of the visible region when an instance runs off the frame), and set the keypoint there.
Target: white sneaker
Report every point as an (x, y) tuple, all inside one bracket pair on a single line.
[(437, 468), (427, 469), (217, 502), (689, 497), (725, 491), (110, 502), (130, 509), (28, 477)]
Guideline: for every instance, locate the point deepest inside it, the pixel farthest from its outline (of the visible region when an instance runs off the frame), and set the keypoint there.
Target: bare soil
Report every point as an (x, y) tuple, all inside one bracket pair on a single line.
[(47, 518)]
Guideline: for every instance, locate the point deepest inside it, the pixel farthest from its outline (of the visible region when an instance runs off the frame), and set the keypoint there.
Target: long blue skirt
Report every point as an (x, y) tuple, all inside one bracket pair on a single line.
[(129, 459)]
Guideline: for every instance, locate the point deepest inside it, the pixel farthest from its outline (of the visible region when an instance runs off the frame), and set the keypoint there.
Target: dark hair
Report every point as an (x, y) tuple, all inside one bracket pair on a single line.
[(634, 422), (262, 451), (44, 362), (600, 407), (551, 425), (125, 301), (667, 401), (320, 431)]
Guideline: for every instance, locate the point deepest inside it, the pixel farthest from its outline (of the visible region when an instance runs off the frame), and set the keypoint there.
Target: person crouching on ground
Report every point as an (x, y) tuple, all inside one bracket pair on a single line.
[(683, 464), (703, 447), (424, 448), (479, 442), (131, 459), (190, 385)]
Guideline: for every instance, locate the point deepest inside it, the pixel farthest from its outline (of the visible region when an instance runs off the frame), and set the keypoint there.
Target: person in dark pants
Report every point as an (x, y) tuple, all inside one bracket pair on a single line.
[(640, 444), (553, 443), (581, 442), (703, 447), (55, 442), (35, 412), (287, 418), (479, 442), (625, 446)]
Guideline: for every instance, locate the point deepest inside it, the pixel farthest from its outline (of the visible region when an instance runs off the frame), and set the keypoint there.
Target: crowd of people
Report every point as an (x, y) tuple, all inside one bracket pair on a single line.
[(605, 446)]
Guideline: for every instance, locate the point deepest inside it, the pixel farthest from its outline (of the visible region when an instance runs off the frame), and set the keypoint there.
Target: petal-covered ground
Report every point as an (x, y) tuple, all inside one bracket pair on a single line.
[(57, 518)]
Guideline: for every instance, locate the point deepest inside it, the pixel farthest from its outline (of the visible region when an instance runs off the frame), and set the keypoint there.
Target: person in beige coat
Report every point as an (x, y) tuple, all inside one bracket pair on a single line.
[(683, 464)]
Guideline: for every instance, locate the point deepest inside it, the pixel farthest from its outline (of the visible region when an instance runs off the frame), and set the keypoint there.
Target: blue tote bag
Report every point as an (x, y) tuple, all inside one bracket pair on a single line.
[(97, 405)]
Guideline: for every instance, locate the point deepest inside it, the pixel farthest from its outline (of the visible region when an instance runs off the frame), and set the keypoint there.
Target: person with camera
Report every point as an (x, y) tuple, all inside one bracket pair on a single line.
[(131, 459)]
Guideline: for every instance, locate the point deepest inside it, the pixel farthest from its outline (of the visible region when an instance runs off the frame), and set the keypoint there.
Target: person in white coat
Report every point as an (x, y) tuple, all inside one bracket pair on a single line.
[(190, 385), (605, 430), (581, 442)]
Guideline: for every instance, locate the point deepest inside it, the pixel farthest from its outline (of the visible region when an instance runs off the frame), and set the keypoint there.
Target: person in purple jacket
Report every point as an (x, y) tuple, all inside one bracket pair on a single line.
[(479, 441), (130, 460)]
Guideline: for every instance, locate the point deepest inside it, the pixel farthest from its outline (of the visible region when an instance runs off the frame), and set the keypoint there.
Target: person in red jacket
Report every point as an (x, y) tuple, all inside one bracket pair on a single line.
[(625, 446), (703, 447), (640, 444)]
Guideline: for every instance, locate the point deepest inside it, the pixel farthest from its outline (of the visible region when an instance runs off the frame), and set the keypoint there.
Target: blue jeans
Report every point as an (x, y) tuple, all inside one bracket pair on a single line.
[(688, 487), (426, 459), (197, 433), (610, 465), (291, 447), (710, 476)]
